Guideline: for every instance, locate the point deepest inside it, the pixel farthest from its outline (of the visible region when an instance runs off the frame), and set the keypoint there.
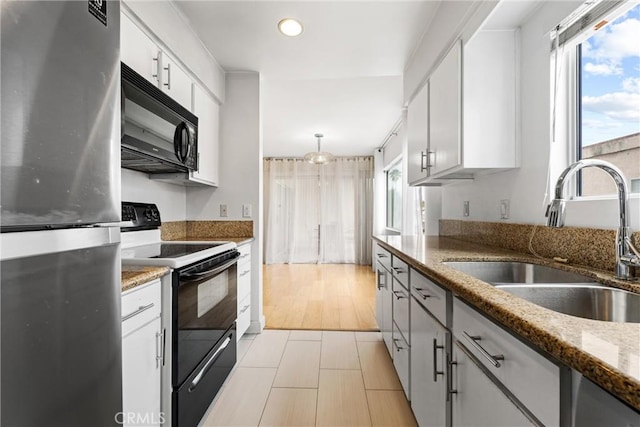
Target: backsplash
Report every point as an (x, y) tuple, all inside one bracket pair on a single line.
[(214, 229), (590, 247)]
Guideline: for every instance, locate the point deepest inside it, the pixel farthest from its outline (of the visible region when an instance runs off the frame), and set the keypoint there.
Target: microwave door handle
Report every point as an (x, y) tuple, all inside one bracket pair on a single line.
[(206, 274), (181, 141)]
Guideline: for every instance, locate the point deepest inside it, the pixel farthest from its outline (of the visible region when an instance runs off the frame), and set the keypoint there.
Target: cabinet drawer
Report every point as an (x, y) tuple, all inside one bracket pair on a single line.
[(140, 305), (244, 281), (532, 378), (244, 316), (401, 304), (245, 255), (384, 257), (400, 271), (431, 296), (401, 354)]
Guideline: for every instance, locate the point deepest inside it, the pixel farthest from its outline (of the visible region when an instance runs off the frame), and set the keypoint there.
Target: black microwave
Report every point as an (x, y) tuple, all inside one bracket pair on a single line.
[(158, 135)]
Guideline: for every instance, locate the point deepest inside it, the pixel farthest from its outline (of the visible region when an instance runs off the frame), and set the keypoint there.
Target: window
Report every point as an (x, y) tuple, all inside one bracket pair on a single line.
[(608, 99), (394, 196)]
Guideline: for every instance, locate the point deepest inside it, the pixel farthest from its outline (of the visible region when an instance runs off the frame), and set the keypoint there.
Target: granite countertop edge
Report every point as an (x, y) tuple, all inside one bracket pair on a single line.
[(546, 329), (136, 275)]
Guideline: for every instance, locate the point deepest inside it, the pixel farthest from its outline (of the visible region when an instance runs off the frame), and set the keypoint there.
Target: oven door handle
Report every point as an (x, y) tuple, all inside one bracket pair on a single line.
[(205, 274), (208, 365)]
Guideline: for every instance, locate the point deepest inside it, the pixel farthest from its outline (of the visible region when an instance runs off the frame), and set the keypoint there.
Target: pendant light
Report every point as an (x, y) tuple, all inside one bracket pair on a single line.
[(318, 157)]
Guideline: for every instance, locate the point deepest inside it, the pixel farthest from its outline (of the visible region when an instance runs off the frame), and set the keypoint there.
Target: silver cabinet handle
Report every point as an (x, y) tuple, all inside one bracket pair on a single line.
[(168, 70), (451, 389), (245, 308), (207, 365), (423, 295), (423, 157), (436, 347), (138, 311), (380, 276), (244, 256), (395, 344), (493, 359), (399, 296), (398, 270), (382, 255), (431, 157), (160, 348), (244, 273), (156, 61)]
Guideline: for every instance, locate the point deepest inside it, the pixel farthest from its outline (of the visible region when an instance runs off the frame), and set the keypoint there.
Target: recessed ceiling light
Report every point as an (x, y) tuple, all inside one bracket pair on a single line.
[(290, 27)]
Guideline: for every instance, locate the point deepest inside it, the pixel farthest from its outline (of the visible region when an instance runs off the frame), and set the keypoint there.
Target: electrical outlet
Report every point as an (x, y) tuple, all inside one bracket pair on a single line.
[(246, 210), (504, 209), (465, 208), (223, 210)]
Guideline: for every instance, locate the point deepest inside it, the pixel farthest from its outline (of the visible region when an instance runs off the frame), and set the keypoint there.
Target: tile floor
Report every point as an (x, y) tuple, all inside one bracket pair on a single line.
[(309, 378)]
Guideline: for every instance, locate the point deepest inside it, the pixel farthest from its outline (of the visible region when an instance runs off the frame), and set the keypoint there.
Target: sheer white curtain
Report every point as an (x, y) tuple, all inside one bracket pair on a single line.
[(318, 214)]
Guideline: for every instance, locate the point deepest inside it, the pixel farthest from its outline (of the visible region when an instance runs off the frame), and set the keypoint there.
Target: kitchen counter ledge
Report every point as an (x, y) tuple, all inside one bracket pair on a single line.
[(608, 353), (136, 275)]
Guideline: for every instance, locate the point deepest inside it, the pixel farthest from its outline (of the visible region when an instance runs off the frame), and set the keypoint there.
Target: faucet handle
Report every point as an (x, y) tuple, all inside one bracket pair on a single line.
[(631, 247)]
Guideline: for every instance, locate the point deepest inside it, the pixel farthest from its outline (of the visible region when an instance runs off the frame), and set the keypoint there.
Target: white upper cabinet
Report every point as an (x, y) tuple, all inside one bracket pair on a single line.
[(138, 51), (444, 120), (208, 113), (176, 82), (142, 54), (418, 135), (473, 112)]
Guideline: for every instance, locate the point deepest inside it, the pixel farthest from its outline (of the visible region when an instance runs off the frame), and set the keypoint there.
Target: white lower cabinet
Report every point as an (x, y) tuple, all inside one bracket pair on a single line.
[(384, 303), (143, 348), (402, 360), (428, 367), (244, 290), (476, 400)]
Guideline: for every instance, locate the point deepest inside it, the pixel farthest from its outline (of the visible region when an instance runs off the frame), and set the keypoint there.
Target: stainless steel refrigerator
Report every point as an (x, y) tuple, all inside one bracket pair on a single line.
[(60, 354)]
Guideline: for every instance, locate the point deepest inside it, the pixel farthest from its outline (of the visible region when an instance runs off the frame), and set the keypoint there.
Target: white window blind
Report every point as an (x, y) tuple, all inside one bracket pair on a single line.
[(588, 16)]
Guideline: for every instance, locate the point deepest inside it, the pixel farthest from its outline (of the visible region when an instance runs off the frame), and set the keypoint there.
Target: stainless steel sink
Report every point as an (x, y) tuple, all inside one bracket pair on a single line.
[(499, 272), (588, 301), (557, 290)]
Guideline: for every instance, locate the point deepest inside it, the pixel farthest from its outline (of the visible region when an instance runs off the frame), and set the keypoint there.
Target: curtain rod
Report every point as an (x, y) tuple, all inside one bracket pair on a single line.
[(394, 132)]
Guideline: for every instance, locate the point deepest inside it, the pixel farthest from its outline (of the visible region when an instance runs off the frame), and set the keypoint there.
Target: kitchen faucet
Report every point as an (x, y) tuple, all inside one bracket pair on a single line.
[(627, 255)]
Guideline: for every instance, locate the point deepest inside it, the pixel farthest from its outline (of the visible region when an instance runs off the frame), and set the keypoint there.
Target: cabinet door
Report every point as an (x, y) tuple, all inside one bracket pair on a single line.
[(176, 83), (428, 368), (478, 401), (444, 112), (138, 51), (208, 113), (387, 316), (141, 373), (418, 135)]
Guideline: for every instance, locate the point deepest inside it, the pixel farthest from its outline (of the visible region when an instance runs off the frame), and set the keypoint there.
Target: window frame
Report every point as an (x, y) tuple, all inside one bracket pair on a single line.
[(570, 57), (394, 164)]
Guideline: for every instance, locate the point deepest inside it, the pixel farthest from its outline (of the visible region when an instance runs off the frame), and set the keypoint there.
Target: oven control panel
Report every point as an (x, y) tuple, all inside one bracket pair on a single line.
[(143, 216)]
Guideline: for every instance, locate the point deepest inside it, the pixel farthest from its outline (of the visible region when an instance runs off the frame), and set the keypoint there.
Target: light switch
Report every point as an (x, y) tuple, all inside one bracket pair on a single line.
[(246, 210)]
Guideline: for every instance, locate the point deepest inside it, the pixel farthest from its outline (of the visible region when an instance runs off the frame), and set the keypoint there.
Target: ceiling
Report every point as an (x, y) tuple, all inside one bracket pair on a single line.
[(341, 77)]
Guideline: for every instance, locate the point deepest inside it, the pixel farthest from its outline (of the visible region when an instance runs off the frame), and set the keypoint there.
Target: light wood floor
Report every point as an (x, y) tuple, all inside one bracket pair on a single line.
[(319, 296), (311, 378)]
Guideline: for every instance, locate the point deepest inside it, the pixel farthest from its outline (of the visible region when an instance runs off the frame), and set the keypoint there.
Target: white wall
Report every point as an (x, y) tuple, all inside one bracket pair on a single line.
[(172, 30), (240, 174), (171, 199), (525, 187)]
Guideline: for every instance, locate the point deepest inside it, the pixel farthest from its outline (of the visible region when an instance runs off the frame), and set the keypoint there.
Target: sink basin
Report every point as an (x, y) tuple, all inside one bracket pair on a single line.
[(588, 301), (557, 290), (499, 272)]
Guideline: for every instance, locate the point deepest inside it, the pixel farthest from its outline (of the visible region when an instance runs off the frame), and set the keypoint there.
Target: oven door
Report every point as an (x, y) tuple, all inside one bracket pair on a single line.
[(204, 309)]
